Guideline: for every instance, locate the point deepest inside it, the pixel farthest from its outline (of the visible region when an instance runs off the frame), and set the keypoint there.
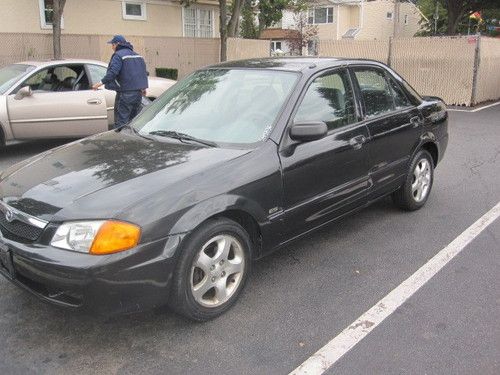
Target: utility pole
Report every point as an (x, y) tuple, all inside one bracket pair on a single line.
[(436, 17), (395, 18)]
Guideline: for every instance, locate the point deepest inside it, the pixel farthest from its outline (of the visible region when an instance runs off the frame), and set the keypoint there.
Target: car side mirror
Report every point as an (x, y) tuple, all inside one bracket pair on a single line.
[(308, 131), (23, 92)]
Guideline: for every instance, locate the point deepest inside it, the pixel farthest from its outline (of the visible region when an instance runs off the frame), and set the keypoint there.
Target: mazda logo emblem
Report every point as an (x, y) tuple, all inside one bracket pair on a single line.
[(9, 215)]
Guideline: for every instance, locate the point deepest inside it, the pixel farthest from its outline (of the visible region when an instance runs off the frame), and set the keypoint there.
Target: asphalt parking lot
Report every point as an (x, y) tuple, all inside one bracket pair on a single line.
[(301, 297)]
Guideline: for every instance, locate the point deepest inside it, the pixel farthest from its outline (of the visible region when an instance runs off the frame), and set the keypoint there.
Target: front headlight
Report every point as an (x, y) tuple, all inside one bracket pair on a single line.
[(96, 237)]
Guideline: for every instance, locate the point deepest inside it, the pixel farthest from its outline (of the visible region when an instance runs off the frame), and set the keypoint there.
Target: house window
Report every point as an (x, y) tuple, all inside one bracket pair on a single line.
[(47, 14), (388, 15), (275, 45), (320, 15), (198, 23), (134, 10), (406, 19)]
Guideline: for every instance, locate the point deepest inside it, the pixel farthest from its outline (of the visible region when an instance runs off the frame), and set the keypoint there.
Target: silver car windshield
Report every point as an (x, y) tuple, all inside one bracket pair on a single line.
[(228, 106), (9, 75)]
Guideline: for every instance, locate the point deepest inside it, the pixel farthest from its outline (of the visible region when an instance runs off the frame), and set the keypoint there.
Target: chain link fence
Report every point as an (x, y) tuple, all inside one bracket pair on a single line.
[(488, 79), (461, 70), (184, 54)]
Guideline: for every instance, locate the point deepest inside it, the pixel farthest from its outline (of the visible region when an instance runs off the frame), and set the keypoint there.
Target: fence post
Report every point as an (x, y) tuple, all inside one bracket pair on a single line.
[(477, 62), (389, 55)]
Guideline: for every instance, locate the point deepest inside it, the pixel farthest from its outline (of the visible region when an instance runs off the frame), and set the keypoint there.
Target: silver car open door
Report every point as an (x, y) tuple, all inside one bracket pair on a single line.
[(57, 102)]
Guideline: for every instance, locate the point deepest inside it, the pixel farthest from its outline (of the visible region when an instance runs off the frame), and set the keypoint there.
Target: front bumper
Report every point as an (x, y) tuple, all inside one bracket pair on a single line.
[(130, 281)]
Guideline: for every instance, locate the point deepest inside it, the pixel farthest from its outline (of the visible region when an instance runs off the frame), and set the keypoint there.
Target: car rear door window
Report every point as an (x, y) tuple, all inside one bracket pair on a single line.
[(330, 99), (375, 91)]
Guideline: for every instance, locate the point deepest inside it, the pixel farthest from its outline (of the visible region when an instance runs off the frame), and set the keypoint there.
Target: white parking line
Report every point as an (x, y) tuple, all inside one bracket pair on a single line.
[(474, 110), (326, 357)]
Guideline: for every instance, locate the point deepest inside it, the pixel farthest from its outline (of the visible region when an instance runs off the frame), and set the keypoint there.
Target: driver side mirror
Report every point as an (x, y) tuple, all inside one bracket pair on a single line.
[(308, 131), (23, 92)]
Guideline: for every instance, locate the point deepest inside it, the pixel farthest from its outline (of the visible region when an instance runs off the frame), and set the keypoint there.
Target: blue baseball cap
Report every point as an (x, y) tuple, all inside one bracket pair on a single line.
[(118, 39)]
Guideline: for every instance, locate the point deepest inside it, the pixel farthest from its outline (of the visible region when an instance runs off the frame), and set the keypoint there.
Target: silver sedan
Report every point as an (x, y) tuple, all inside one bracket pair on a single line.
[(51, 99)]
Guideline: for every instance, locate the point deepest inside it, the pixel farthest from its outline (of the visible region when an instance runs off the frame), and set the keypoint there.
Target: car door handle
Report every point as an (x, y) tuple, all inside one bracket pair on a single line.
[(415, 121), (94, 101), (357, 142)]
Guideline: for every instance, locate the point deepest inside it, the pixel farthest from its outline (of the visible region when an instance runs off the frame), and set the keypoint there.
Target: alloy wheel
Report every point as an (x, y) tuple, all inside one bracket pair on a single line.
[(217, 270), (421, 180)]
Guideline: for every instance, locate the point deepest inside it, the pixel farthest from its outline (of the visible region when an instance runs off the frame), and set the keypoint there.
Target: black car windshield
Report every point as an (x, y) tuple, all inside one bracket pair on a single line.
[(234, 106), (11, 74)]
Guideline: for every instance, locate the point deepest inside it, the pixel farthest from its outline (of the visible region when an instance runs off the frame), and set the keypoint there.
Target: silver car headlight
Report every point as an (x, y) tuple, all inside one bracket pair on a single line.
[(97, 237), (77, 236)]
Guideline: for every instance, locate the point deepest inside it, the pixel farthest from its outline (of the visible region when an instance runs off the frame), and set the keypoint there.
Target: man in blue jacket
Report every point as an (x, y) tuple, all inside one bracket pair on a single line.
[(128, 77)]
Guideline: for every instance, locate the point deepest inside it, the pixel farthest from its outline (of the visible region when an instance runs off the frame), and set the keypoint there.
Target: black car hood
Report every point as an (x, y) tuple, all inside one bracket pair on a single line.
[(101, 175)]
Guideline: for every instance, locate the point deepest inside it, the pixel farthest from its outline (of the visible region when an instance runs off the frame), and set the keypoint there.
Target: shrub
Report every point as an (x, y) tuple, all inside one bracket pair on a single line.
[(170, 73)]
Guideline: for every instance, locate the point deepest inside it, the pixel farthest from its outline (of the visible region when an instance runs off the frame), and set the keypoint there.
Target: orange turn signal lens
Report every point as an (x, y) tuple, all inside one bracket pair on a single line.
[(115, 236)]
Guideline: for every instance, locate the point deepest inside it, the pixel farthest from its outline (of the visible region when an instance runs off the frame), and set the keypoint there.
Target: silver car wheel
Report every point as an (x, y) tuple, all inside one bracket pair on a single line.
[(421, 180), (217, 270)]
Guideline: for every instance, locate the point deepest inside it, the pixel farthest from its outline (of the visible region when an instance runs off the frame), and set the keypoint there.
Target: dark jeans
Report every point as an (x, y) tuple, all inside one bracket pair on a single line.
[(129, 105), (117, 100)]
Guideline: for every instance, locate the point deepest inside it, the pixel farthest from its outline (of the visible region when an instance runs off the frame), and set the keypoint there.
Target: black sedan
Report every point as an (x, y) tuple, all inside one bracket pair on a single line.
[(231, 163)]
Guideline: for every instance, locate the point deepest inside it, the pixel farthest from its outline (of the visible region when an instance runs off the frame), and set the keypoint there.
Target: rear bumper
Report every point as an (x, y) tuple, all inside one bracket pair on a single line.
[(130, 281)]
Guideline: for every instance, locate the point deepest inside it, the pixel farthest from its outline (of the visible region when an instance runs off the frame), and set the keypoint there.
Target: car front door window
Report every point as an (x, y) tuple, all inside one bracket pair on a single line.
[(329, 98), (41, 81), (59, 78), (96, 72)]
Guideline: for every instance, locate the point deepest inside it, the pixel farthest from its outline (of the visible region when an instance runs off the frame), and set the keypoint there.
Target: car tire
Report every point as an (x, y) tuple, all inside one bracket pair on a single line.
[(212, 268), (413, 194)]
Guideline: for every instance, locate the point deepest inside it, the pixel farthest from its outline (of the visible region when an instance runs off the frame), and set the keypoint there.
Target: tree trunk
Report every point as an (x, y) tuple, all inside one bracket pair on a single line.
[(223, 29), (232, 27), (56, 27), (455, 13)]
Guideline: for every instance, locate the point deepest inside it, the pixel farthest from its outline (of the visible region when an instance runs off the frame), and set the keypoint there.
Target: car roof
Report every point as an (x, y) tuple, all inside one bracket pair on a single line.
[(291, 63), (43, 63)]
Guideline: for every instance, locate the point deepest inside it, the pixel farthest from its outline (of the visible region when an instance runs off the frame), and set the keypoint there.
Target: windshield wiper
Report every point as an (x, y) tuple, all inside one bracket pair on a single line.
[(182, 137), (135, 131)]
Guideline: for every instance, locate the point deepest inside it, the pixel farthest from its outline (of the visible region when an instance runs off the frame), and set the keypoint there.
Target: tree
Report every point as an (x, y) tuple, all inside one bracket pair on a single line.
[(460, 9), (234, 22), (271, 11), (248, 26), (223, 29), (436, 23), (56, 27), (301, 34), (491, 22)]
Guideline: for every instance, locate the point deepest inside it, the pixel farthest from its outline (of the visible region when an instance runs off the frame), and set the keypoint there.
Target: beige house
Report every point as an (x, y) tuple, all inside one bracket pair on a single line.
[(354, 19), (108, 17)]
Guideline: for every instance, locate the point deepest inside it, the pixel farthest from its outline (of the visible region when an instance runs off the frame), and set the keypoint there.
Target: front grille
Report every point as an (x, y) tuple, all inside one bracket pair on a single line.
[(16, 229)]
